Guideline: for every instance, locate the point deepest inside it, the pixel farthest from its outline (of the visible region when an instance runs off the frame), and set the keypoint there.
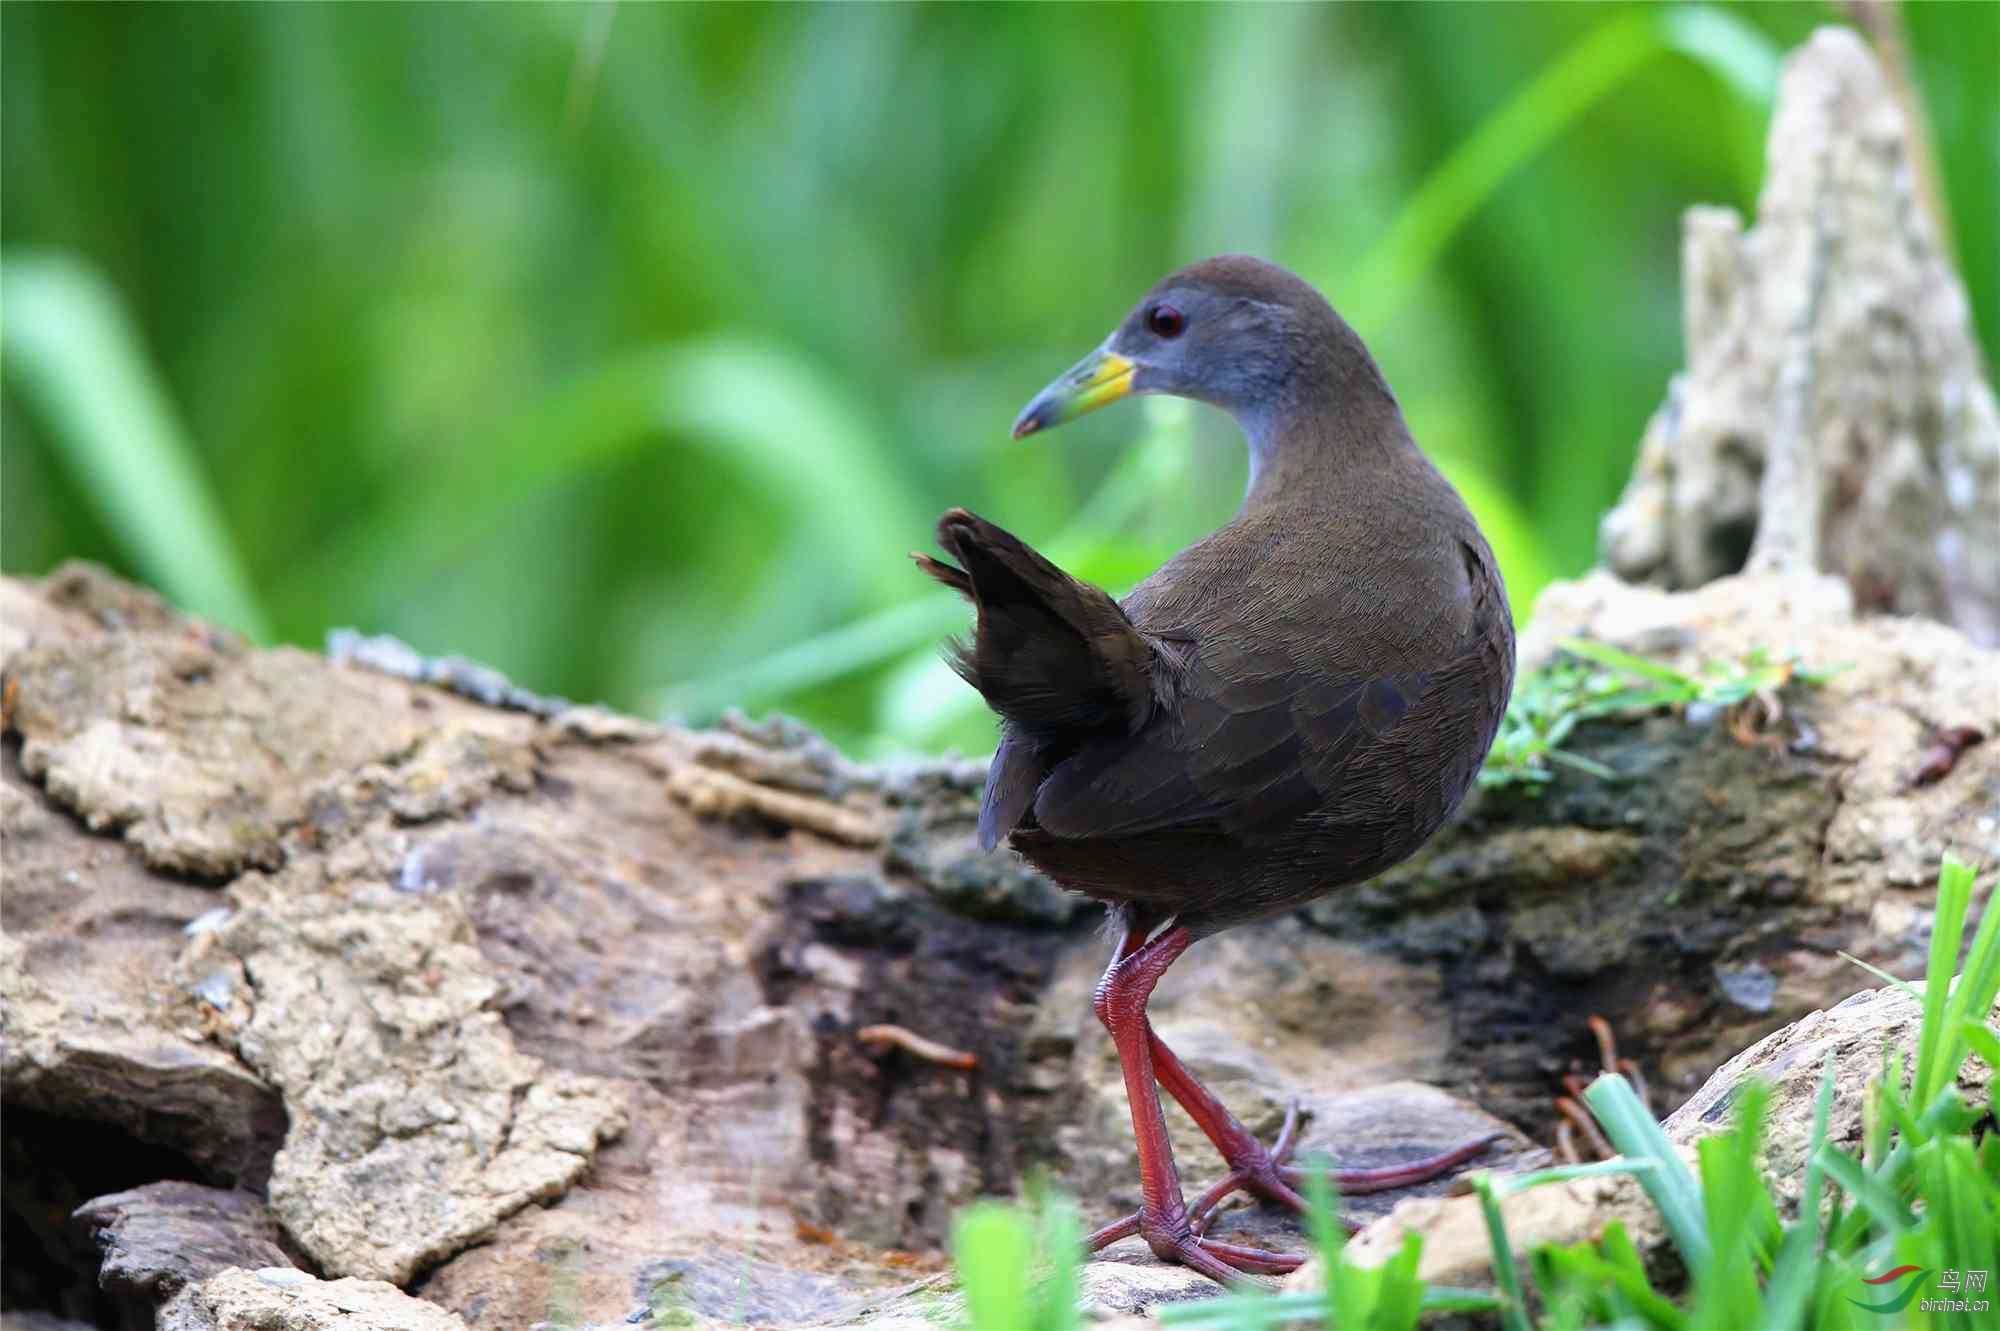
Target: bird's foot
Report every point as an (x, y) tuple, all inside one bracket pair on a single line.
[(1257, 1171), (1268, 1177), (1173, 1239)]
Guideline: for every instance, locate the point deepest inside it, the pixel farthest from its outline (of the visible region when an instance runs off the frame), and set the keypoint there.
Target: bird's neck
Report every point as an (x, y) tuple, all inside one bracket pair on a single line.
[(1305, 455)]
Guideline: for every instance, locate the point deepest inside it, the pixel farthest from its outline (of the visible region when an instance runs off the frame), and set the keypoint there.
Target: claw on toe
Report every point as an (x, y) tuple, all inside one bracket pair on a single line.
[(1267, 1175), (1180, 1243), (1257, 1261)]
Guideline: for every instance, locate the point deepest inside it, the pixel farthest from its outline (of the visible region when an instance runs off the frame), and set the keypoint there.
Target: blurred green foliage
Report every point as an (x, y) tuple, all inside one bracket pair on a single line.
[(630, 348)]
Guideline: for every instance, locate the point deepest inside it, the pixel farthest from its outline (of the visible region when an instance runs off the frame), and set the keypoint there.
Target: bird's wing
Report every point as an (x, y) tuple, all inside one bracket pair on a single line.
[(1019, 765), (1256, 738), (1055, 657), (1362, 708)]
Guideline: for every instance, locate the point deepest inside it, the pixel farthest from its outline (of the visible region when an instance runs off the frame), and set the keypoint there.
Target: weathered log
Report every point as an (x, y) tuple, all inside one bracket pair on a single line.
[(462, 946)]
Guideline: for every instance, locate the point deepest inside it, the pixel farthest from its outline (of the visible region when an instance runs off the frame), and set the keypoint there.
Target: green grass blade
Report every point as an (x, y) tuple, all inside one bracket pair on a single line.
[(1737, 1206), (1399, 1291), (870, 640), (1737, 53), (1061, 1246), (1600, 1274), (1909, 990), (1248, 1310), (1791, 1288), (1235, 1312), (1636, 1134), (1982, 1040), (1870, 1194), (1948, 1116), (1954, 896), (738, 408), (1613, 659), (1876, 1123), (1141, 475), (1978, 984), (1502, 143), (1582, 764), (1511, 1184), (1450, 1299), (76, 358), (994, 1247), (1329, 1237), (1513, 1299)]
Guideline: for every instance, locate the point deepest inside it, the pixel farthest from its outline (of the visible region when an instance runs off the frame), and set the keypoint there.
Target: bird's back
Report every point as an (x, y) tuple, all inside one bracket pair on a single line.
[(1335, 676)]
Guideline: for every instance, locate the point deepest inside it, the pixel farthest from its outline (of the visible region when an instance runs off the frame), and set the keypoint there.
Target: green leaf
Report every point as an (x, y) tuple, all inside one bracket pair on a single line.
[(1908, 990), (1741, 56), (1983, 1040), (1469, 176), (1636, 1134), (1617, 1272), (994, 1246), (1513, 1299), (1934, 1042), (1329, 1237), (1870, 1194), (72, 350), (1972, 996), (1606, 655), (1791, 1286), (1739, 1214)]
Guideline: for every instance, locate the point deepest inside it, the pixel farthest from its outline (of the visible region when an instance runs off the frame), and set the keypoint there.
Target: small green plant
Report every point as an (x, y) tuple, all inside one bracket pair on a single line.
[(1017, 1265), (1592, 680), (1872, 1231)]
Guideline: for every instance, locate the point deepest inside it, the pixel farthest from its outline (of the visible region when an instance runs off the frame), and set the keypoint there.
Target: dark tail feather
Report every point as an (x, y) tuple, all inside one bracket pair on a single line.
[(953, 578), (1056, 657)]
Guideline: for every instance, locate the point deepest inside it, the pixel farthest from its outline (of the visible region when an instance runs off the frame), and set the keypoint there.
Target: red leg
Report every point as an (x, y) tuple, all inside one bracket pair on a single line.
[(1163, 1217), (1264, 1174)]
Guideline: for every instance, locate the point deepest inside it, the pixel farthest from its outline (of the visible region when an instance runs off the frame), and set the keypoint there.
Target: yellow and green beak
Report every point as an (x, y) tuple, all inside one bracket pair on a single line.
[(1102, 376)]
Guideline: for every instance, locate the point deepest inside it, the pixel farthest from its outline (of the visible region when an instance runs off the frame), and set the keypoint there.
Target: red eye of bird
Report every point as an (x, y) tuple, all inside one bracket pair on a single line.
[(1165, 321)]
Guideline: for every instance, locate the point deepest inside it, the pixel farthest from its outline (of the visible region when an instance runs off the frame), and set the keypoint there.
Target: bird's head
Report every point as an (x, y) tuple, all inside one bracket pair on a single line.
[(1236, 332)]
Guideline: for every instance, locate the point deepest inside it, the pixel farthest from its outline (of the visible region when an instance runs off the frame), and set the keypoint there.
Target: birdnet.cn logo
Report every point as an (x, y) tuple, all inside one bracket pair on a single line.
[(1952, 1285)]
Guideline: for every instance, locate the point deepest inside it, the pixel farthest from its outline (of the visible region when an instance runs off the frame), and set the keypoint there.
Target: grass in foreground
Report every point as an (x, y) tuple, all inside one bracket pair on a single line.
[(1592, 680), (1921, 1197)]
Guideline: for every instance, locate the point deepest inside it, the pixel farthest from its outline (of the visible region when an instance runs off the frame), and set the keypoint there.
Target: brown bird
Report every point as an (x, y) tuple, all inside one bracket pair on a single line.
[(1289, 706)]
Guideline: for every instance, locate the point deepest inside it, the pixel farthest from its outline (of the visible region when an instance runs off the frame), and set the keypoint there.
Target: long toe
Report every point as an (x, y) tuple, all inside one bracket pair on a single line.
[(1219, 1261), (1258, 1172), (1111, 1233), (1266, 1184), (1259, 1260), (1354, 1182), (1180, 1243)]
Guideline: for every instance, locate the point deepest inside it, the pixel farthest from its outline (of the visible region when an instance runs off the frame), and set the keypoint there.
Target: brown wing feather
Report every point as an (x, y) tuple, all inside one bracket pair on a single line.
[(1243, 751), (1055, 657), (1262, 733)]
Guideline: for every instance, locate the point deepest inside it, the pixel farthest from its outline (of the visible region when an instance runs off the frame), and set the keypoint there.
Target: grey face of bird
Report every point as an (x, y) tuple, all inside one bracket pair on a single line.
[(1230, 350)]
